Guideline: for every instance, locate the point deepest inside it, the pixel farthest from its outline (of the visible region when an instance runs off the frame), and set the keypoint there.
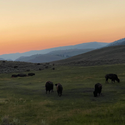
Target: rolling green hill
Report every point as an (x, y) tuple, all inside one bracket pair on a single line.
[(18, 67)]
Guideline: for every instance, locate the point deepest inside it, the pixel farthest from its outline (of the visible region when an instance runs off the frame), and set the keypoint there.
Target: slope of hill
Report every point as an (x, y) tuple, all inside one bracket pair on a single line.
[(118, 42), (90, 45), (53, 56), (20, 67), (106, 55)]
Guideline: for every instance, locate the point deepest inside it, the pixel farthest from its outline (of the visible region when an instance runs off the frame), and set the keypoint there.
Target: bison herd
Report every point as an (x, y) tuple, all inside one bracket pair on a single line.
[(98, 86), (22, 75), (49, 87)]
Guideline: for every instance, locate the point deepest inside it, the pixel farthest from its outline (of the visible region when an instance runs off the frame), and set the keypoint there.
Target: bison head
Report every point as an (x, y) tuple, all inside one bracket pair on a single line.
[(118, 80)]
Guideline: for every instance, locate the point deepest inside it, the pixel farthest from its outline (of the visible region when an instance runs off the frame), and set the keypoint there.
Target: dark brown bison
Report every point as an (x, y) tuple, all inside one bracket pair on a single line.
[(98, 89), (31, 74), (53, 68), (113, 77), (15, 66), (14, 75), (22, 75), (38, 63), (49, 86), (59, 89)]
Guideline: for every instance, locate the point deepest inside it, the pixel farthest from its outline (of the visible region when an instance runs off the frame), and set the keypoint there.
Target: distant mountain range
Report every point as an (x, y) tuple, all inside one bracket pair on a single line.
[(90, 45), (102, 56), (1, 58), (52, 56), (118, 42), (58, 53)]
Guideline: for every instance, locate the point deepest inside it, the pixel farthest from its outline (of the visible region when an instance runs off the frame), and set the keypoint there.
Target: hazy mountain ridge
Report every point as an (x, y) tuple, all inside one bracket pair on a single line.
[(118, 42), (1, 58), (40, 58), (63, 54), (52, 56), (90, 45), (58, 53), (69, 52), (106, 55)]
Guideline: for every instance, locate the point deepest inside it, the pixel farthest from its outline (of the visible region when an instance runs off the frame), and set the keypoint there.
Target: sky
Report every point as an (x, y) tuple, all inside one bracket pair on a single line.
[(41, 24)]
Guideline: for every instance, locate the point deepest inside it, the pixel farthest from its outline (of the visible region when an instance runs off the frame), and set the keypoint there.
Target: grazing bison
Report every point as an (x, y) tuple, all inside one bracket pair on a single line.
[(31, 74), (22, 75), (38, 63), (14, 75), (113, 77), (53, 68), (49, 86), (15, 66), (98, 89), (59, 89)]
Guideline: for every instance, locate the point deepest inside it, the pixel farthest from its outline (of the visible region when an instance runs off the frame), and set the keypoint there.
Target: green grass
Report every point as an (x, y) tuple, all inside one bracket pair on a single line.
[(24, 101)]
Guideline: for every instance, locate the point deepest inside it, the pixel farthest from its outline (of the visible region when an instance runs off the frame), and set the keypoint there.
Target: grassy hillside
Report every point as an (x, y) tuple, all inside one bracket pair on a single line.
[(18, 67), (107, 55), (23, 100), (117, 42)]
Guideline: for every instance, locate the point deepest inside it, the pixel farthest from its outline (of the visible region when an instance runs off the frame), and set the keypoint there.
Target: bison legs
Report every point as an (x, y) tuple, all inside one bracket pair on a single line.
[(112, 80), (106, 80), (47, 90), (59, 93)]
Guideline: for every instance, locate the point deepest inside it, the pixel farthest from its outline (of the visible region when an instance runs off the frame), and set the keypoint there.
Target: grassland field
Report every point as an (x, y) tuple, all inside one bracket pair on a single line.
[(23, 100)]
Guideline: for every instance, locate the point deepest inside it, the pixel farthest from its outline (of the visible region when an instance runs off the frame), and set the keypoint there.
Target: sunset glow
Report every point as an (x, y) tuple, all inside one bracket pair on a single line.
[(40, 24)]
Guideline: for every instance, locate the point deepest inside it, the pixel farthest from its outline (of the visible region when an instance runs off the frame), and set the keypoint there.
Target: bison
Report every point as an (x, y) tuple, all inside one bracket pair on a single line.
[(59, 89), (113, 77), (49, 86), (53, 68), (22, 75), (98, 89), (31, 74), (15, 67), (14, 75)]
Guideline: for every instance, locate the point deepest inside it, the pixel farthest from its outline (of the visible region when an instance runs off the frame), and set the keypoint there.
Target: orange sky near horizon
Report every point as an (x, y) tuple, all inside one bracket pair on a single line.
[(35, 25)]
